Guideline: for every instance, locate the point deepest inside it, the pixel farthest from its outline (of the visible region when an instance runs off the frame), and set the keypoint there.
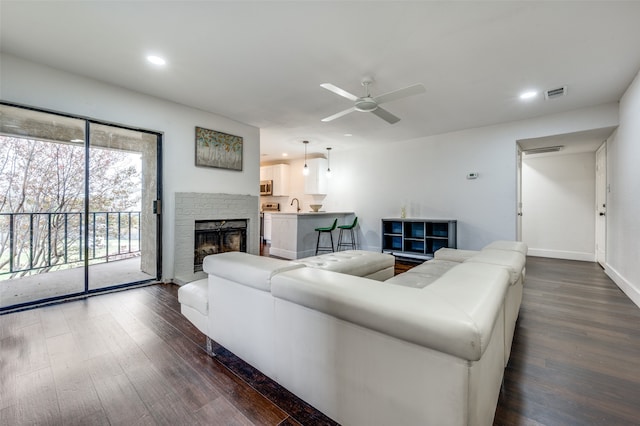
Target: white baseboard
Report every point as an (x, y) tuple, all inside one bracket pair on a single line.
[(286, 254), (560, 254), (628, 289)]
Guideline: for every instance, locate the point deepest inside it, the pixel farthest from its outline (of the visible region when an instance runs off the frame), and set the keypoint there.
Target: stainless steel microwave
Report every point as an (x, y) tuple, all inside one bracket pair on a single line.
[(266, 187)]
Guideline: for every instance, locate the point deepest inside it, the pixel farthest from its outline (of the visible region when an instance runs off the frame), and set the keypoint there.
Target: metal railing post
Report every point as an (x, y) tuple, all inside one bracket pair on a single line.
[(11, 233)]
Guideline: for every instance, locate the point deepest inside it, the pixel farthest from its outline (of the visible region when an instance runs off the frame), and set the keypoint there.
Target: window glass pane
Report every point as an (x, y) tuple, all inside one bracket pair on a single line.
[(42, 159)]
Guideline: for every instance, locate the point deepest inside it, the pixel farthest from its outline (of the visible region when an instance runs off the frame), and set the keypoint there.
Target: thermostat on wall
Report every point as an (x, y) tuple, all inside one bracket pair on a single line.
[(472, 175)]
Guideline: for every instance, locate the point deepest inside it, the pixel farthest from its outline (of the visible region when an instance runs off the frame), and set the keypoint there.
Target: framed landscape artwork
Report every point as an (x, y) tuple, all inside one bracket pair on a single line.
[(217, 149)]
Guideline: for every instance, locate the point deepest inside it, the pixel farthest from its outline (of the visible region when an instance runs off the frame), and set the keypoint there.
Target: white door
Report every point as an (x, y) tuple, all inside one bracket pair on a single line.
[(601, 203), (519, 196)]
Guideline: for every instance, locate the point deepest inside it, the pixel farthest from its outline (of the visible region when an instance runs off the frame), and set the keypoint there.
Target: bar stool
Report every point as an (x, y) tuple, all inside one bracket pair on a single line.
[(329, 230), (348, 244)]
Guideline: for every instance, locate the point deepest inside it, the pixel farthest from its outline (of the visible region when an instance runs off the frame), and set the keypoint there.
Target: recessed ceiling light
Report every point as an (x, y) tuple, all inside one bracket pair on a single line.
[(528, 95), (156, 60), (348, 134), (284, 154)]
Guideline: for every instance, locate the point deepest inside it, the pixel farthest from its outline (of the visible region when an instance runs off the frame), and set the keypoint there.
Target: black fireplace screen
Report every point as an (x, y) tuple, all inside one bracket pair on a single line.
[(218, 236)]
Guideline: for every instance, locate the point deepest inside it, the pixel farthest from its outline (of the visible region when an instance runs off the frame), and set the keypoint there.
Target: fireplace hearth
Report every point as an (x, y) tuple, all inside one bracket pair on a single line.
[(218, 236)]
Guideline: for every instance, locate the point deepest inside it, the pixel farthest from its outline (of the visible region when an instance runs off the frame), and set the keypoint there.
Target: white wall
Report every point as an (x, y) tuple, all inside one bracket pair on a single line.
[(623, 198), (31, 84), (558, 203), (428, 175)]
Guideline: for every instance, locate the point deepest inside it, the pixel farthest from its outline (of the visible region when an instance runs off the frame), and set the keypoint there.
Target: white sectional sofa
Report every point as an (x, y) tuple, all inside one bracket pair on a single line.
[(428, 346)]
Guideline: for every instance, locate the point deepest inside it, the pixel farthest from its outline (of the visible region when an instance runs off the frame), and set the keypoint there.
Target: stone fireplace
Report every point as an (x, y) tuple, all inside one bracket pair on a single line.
[(218, 236), (196, 208)]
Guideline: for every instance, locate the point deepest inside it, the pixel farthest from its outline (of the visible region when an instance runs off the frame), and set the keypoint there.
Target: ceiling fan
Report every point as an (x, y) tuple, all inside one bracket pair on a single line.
[(368, 103)]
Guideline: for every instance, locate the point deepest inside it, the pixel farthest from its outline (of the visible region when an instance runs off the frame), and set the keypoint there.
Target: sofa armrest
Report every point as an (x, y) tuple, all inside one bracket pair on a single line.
[(455, 315)]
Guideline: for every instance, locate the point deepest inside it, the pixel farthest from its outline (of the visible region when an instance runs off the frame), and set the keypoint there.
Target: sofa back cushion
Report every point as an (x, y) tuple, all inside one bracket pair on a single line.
[(518, 246), (456, 314), (246, 269), (454, 255), (512, 261)]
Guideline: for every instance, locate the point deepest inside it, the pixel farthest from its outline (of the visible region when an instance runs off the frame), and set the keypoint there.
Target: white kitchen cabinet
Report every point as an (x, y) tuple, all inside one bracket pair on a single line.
[(280, 179), (315, 183), (279, 174), (267, 227), (266, 173)]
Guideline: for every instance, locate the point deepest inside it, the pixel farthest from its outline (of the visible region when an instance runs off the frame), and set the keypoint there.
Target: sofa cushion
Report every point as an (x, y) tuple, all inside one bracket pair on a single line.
[(352, 262), (518, 246), (513, 261), (454, 255), (455, 315), (246, 269), (195, 295), (422, 275)]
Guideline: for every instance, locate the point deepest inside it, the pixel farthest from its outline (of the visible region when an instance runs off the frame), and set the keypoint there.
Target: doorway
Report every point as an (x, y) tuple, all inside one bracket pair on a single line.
[(558, 178), (77, 203)]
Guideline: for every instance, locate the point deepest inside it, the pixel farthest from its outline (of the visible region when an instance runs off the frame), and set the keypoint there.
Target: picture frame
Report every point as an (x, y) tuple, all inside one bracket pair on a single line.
[(218, 150)]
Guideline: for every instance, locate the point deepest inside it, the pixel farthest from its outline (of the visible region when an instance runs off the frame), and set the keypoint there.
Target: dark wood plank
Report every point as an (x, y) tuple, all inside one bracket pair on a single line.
[(54, 321), (36, 400), (75, 391), (121, 402)]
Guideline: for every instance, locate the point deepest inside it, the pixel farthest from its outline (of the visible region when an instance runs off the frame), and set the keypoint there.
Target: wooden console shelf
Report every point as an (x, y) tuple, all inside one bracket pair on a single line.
[(417, 238)]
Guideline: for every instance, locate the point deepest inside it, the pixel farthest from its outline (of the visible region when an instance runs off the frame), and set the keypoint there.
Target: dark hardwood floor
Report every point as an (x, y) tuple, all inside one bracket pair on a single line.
[(575, 358), (131, 358)]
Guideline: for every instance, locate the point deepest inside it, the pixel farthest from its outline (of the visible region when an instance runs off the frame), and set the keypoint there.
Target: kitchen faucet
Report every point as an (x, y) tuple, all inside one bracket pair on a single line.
[(297, 203)]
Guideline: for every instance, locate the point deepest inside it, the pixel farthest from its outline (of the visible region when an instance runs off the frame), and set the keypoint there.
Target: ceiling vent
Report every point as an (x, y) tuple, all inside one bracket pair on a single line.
[(555, 93), (543, 150)]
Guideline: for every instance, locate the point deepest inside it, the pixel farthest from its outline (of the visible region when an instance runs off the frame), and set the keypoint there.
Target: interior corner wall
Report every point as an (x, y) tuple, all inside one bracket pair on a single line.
[(428, 177), (558, 199), (30, 84), (623, 197)]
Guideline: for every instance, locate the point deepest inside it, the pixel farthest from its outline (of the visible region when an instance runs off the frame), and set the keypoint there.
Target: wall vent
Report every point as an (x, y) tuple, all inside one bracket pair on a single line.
[(543, 150), (555, 93)]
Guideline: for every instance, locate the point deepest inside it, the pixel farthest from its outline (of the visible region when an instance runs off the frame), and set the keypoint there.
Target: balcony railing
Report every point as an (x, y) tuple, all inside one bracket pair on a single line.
[(44, 241)]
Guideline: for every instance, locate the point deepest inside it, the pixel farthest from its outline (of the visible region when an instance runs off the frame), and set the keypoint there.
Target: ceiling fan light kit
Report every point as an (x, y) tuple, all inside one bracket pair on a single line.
[(367, 103)]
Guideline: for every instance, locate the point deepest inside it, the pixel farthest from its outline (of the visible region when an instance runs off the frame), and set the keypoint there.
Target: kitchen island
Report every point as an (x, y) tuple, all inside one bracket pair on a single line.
[(293, 235)]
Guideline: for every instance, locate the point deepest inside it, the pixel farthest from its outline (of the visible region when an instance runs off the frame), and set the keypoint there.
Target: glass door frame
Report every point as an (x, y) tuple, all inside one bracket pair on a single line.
[(86, 211)]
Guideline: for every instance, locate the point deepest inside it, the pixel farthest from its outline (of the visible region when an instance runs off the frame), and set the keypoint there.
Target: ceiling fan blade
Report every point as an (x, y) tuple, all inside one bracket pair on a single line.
[(339, 91), (416, 89), (385, 115), (340, 114)]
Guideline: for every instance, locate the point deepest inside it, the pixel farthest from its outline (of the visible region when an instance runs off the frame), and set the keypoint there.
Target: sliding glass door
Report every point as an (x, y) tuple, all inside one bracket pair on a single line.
[(76, 207), (122, 223)]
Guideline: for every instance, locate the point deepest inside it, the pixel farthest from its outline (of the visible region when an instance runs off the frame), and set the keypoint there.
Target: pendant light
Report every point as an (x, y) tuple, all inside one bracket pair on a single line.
[(305, 169), (329, 162)]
